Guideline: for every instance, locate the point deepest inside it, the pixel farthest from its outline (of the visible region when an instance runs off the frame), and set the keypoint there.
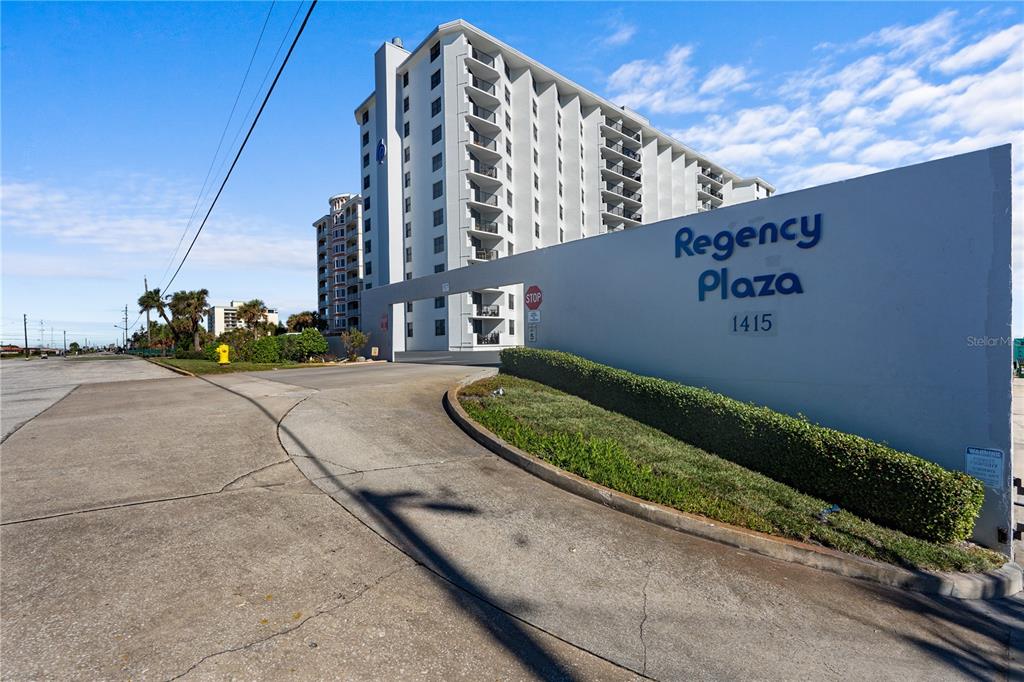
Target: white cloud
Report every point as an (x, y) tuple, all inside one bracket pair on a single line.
[(660, 86), (723, 79), (620, 35), (990, 48)]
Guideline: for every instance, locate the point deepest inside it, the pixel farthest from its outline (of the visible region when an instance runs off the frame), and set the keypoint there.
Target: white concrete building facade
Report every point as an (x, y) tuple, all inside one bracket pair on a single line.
[(472, 151), (339, 262), (224, 318)]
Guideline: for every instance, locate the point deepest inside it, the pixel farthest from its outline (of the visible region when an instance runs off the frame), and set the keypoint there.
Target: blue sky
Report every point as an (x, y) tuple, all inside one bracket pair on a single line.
[(111, 114)]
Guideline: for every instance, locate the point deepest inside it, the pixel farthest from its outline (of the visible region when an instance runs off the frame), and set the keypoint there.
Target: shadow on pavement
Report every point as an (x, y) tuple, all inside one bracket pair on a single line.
[(505, 629)]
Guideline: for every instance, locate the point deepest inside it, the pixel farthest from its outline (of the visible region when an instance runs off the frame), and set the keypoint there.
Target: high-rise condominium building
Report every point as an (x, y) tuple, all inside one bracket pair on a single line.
[(471, 151), (339, 262), (224, 318)]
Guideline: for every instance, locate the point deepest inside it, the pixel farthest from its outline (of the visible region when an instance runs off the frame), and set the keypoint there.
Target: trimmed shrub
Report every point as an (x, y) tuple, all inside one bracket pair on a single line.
[(183, 354), (263, 349), (894, 488)]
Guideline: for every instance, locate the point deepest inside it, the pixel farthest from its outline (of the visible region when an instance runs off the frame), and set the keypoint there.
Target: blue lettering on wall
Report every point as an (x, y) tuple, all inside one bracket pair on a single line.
[(804, 231)]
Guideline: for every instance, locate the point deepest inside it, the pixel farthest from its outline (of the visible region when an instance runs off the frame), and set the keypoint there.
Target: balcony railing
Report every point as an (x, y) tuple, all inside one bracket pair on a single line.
[(486, 142), (481, 84), (488, 339), (622, 170), (620, 211), (485, 226), (717, 177), (487, 311), (485, 114), (481, 57), (622, 191), (625, 151), (489, 199), (484, 254), (489, 171), (628, 132)]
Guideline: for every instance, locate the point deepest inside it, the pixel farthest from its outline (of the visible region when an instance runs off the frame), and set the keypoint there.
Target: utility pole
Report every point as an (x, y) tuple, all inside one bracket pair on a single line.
[(149, 332), (24, 319), (126, 327), (65, 342)]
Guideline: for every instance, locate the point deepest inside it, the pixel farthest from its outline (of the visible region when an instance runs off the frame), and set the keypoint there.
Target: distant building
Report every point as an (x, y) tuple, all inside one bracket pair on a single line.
[(224, 318), (339, 262)]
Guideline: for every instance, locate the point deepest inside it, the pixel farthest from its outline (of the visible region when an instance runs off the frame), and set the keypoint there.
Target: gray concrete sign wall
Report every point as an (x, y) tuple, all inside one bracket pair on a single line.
[(878, 305)]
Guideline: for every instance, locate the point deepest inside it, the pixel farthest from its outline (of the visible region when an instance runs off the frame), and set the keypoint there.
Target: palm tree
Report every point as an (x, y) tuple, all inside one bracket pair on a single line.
[(299, 321), (253, 313), (189, 309), (151, 300)]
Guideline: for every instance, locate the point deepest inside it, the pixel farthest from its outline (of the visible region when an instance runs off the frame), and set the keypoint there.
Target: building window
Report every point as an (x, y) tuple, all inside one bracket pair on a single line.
[(366, 160), (559, 140), (405, 129), (408, 275), (435, 135), (405, 104), (536, 135), (511, 301), (407, 179), (508, 74), (407, 154), (366, 139), (536, 157), (338, 248), (439, 244), (439, 327), (405, 79), (438, 302), (559, 165), (511, 249), (408, 230), (408, 254), (366, 225), (534, 104), (435, 51), (366, 203), (339, 262), (435, 79), (561, 213), (408, 329), (438, 217), (368, 268), (508, 121), (536, 205), (366, 182), (508, 95), (368, 247), (536, 181), (435, 163), (558, 117), (408, 204), (508, 222), (438, 189), (439, 267), (536, 230), (561, 235), (508, 147), (435, 107), (559, 189), (508, 171), (408, 306), (511, 326), (508, 196), (366, 116)]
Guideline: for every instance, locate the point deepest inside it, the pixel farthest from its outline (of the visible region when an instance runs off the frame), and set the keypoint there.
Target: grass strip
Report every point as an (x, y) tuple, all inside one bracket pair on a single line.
[(625, 455)]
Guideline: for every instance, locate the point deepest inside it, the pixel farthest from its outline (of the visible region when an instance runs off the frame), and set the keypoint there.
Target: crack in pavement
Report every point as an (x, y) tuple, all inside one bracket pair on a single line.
[(19, 426), (643, 620), (352, 472), (252, 473), (275, 635)]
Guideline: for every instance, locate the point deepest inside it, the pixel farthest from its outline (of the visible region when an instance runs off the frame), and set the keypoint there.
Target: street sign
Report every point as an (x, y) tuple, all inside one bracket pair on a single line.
[(533, 316), (534, 297), (531, 333)]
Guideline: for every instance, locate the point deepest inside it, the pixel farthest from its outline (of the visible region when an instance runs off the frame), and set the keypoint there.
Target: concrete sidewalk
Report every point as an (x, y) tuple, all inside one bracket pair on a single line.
[(158, 529)]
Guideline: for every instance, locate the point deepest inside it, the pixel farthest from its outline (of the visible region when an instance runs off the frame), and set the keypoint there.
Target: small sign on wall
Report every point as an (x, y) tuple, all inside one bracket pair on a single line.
[(531, 333), (533, 316), (986, 465)]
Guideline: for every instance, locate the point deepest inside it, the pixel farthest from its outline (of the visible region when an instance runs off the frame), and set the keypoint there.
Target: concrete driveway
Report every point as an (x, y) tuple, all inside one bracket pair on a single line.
[(333, 523)]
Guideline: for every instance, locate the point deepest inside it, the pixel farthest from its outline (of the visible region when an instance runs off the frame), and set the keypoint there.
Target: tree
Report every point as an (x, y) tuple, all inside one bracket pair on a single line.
[(189, 309), (354, 340), (74, 347), (300, 321), (253, 314), (152, 300)]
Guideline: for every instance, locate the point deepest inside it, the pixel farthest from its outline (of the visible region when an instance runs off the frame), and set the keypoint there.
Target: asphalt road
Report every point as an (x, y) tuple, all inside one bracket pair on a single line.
[(332, 523)]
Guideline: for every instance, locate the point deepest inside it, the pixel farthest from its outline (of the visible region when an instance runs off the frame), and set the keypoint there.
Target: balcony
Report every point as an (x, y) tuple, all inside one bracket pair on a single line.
[(489, 226), (485, 201), (488, 115), (479, 140), (481, 57), (482, 169), (618, 148), (486, 311), (488, 339), (620, 190), (622, 212), (619, 128), (620, 169), (711, 175), (482, 64), (481, 84), (481, 255)]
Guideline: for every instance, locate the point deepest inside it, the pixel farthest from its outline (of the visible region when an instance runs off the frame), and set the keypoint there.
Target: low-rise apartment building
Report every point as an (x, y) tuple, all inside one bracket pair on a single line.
[(471, 151), (224, 318)]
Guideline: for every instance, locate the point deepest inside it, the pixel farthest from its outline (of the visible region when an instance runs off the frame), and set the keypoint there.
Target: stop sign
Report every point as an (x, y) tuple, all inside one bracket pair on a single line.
[(534, 297)]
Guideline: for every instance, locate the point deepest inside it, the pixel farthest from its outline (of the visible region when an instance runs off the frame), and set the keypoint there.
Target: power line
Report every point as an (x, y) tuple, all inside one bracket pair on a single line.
[(252, 127), (220, 142)]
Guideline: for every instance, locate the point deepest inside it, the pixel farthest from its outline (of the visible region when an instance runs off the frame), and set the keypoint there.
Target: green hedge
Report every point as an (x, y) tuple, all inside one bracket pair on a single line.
[(893, 488)]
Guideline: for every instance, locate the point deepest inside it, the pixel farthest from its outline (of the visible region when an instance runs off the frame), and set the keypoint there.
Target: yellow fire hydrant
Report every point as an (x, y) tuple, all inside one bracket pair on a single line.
[(222, 351)]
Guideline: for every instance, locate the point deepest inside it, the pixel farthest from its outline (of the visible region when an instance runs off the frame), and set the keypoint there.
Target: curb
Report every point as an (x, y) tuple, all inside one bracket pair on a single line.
[(1002, 582), (176, 370)]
